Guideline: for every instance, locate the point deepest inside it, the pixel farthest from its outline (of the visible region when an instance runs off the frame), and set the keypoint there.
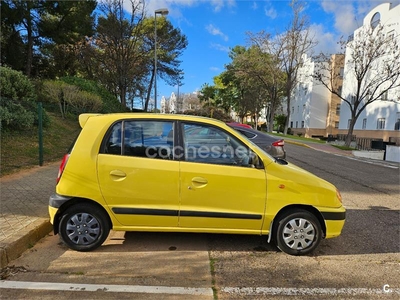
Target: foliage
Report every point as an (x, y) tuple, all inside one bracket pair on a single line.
[(39, 35), (110, 102), (70, 96), (18, 109), (210, 112), (170, 45), (280, 121), (287, 49)]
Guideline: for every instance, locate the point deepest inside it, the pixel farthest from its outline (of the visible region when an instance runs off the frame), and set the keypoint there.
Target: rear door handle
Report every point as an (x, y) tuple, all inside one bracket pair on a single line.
[(117, 174)]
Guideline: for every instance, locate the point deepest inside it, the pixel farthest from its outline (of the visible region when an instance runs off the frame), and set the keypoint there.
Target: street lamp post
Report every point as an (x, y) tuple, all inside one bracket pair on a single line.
[(179, 106), (163, 12)]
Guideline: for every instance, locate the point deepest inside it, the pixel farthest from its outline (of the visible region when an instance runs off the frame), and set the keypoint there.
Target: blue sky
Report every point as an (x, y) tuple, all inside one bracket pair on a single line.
[(214, 26)]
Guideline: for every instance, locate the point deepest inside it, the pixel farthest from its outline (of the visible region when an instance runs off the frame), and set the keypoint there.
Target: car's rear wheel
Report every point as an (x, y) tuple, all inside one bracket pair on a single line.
[(84, 227), (298, 233)]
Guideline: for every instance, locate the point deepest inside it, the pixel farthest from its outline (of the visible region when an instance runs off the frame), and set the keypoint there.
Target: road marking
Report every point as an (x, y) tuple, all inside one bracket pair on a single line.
[(56, 286), (307, 291), (378, 163)]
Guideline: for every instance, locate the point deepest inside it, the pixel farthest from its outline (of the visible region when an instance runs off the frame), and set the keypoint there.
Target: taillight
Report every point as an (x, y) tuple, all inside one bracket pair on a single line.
[(279, 143), (62, 166)]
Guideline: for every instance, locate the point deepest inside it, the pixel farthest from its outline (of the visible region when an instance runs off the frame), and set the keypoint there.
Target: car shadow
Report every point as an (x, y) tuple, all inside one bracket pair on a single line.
[(372, 231)]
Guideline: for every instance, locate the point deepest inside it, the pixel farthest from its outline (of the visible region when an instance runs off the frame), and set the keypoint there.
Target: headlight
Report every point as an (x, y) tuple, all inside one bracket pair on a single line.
[(338, 195)]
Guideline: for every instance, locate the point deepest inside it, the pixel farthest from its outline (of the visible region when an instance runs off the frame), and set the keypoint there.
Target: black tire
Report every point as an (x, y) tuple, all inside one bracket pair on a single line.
[(298, 233), (84, 227)]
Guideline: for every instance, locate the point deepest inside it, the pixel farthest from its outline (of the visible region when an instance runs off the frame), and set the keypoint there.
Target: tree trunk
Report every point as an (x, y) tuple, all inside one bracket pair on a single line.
[(350, 132)]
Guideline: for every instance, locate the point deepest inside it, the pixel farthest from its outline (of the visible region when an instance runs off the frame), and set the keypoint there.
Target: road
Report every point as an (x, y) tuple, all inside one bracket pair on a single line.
[(363, 263)]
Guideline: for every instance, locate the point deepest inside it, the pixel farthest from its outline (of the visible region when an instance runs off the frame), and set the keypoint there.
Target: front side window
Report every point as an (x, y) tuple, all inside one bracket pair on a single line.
[(141, 138), (207, 144)]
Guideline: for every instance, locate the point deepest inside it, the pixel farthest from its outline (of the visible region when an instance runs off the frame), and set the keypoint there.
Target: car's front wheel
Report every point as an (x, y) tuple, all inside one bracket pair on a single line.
[(84, 227), (298, 233)]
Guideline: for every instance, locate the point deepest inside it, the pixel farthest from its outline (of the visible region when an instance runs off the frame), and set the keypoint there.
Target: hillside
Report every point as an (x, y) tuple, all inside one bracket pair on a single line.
[(20, 150)]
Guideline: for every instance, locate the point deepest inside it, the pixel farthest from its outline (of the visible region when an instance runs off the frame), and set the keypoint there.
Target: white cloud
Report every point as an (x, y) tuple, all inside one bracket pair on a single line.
[(220, 47), (219, 4), (215, 31), (215, 69), (327, 42), (270, 12)]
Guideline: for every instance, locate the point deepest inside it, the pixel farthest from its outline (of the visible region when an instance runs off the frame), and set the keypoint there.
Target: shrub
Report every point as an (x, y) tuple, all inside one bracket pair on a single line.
[(18, 109), (110, 102)]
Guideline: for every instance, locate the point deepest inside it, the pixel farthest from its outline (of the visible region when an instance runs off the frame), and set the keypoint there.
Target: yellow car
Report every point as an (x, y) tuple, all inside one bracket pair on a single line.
[(174, 173)]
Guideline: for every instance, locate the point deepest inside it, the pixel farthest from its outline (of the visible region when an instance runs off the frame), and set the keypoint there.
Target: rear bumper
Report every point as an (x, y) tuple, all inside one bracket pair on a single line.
[(55, 203)]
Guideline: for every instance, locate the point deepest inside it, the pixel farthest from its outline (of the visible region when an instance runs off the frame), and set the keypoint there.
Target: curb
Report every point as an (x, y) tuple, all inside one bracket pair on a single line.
[(297, 143), (14, 246)]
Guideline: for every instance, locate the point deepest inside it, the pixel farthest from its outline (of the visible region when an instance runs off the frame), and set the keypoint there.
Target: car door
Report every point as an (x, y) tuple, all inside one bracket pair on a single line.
[(137, 173), (220, 190)]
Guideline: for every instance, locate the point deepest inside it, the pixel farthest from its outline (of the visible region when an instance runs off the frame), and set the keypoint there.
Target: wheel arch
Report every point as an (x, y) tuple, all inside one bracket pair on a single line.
[(292, 208), (72, 202)]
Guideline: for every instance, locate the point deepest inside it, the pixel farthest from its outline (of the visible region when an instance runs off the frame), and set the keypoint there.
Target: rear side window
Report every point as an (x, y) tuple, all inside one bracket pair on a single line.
[(141, 138), (247, 134)]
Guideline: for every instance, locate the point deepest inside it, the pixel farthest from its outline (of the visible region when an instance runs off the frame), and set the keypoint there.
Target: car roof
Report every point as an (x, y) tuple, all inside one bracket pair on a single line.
[(83, 118)]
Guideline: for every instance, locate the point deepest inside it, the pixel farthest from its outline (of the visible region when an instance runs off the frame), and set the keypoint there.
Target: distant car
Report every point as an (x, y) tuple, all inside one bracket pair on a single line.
[(272, 145), (239, 124)]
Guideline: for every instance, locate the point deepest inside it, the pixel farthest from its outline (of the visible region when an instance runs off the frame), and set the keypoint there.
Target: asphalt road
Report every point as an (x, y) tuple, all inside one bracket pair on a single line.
[(363, 263)]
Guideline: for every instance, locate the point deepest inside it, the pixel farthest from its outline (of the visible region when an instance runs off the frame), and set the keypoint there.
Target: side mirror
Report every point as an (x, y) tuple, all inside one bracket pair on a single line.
[(255, 161)]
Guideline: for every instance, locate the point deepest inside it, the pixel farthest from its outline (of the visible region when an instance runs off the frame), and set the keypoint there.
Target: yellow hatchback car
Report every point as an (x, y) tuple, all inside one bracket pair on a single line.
[(175, 173)]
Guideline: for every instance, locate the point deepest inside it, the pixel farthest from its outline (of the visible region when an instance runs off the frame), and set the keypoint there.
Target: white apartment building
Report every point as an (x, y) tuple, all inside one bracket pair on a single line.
[(380, 119), (314, 109)]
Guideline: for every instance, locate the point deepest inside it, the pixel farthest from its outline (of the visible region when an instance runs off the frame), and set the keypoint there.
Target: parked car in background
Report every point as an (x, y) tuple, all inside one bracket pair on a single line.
[(274, 146), (174, 173)]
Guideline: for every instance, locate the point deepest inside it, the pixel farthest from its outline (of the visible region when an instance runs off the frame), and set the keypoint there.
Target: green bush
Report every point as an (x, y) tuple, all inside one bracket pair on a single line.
[(18, 109), (110, 102)]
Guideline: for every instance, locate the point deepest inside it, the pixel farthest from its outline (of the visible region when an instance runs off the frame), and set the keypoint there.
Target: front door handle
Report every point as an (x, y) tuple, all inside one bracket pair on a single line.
[(198, 182)]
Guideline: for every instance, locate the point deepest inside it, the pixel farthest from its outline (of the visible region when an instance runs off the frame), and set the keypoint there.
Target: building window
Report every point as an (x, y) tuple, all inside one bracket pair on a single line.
[(336, 124), (381, 123), (291, 124), (397, 124), (348, 123), (292, 109), (302, 124), (297, 124), (339, 90), (304, 107), (375, 20), (338, 109), (364, 124), (298, 108)]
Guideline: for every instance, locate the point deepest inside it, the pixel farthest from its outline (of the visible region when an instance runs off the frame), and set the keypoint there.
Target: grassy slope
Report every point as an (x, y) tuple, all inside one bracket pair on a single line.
[(20, 150)]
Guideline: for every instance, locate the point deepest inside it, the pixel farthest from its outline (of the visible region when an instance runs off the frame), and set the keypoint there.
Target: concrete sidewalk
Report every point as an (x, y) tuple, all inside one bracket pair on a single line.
[(24, 217), (24, 199)]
